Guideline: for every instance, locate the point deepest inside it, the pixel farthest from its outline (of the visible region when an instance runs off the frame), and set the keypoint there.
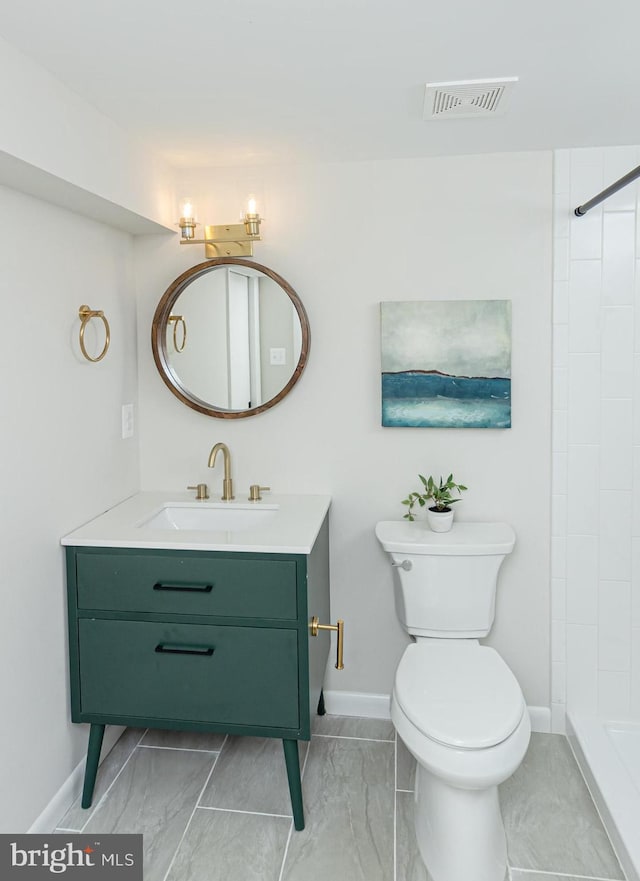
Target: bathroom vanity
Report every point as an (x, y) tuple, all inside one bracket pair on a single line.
[(176, 621)]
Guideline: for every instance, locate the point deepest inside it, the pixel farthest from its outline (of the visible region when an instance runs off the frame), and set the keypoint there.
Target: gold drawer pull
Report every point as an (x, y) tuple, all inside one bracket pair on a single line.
[(315, 626)]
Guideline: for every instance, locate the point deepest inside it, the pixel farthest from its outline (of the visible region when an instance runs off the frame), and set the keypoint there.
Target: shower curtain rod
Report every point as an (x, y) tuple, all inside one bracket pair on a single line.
[(581, 210)]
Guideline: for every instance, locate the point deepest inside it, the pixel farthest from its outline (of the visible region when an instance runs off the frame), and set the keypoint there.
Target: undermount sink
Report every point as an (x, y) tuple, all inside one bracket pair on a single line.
[(213, 517), (163, 519)]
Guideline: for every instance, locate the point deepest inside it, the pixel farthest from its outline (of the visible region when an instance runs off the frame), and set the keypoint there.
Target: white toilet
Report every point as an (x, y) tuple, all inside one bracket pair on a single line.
[(455, 703)]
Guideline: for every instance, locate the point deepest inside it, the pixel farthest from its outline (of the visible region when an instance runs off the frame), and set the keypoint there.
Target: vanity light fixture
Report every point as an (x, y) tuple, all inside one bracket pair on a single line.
[(229, 240)]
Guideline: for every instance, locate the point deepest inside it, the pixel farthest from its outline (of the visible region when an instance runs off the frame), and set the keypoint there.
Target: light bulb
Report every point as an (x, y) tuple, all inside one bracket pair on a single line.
[(251, 217), (188, 210), (187, 222)]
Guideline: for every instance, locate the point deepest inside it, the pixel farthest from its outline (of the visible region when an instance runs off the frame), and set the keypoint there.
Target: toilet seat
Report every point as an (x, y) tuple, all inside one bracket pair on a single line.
[(458, 694)]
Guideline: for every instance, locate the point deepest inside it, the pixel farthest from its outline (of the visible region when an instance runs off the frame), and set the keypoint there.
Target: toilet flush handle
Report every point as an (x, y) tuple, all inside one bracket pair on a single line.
[(407, 565)]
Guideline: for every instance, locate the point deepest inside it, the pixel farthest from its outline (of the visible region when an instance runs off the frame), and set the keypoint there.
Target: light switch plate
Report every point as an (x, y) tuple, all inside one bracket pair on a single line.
[(277, 356), (127, 421)]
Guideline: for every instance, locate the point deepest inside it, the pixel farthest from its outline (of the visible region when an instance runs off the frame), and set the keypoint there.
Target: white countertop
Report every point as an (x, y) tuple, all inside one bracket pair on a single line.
[(293, 530)]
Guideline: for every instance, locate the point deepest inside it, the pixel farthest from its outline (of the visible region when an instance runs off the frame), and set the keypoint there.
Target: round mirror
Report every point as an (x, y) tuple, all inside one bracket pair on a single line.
[(230, 338)]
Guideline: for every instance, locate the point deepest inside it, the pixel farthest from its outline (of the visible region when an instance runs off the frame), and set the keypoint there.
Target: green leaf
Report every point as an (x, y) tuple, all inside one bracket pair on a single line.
[(440, 494)]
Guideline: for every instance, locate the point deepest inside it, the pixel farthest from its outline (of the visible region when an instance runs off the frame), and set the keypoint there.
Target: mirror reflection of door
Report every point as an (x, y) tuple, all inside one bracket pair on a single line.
[(243, 341)]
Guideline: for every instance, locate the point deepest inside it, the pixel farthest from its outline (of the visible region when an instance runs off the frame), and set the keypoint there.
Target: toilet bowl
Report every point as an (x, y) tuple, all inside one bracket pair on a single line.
[(461, 714), (455, 703)]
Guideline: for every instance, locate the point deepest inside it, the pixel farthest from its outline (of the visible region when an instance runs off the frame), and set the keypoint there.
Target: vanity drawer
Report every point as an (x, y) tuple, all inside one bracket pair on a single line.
[(187, 584), (191, 672)]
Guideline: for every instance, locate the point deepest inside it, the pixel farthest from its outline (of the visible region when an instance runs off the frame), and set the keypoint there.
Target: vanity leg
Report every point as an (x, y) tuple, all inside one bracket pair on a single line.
[(93, 757), (295, 786), (321, 709)]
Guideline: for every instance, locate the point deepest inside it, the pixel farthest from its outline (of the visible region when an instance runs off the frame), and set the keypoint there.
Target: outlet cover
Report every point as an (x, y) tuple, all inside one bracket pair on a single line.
[(277, 356), (127, 421)]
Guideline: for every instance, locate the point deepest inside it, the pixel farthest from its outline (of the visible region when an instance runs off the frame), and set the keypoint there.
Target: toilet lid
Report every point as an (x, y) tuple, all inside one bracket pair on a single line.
[(459, 694)]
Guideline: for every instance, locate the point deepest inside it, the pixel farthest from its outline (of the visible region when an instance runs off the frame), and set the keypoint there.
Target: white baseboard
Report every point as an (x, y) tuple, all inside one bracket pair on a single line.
[(540, 719), (377, 706), (357, 703), (558, 719), (71, 788)]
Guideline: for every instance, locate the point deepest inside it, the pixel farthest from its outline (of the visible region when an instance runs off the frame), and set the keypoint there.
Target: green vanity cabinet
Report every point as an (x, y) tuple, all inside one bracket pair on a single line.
[(198, 640)]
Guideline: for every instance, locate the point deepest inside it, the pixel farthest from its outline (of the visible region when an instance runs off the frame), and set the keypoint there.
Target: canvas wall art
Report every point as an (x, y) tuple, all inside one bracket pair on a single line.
[(446, 363)]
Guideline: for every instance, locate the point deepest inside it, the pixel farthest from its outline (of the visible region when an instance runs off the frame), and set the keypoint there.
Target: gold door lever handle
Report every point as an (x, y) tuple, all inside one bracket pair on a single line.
[(315, 626)]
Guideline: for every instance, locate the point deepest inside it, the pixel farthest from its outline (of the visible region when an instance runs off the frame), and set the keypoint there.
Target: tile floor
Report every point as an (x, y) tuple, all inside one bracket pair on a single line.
[(216, 808)]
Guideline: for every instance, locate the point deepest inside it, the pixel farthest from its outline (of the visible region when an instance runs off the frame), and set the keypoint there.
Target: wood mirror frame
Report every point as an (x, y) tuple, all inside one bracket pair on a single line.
[(161, 353)]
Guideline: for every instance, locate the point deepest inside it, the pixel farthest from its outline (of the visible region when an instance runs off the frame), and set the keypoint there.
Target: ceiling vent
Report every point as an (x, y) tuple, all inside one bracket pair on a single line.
[(467, 98)]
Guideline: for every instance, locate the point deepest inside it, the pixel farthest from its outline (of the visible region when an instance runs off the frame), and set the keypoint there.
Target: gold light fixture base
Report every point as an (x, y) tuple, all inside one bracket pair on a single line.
[(228, 249), (229, 240)]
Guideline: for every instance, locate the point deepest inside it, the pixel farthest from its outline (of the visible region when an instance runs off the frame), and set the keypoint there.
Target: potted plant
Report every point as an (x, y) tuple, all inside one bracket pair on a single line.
[(440, 514)]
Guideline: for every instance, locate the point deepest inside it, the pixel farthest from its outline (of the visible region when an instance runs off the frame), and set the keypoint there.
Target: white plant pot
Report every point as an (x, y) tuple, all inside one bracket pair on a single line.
[(440, 521)]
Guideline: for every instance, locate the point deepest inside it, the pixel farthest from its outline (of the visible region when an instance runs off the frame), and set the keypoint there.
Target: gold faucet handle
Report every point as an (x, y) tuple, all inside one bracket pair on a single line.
[(254, 492), (202, 492)]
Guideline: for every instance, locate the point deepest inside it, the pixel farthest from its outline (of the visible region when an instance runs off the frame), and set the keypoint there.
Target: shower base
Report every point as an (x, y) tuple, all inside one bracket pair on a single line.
[(608, 754)]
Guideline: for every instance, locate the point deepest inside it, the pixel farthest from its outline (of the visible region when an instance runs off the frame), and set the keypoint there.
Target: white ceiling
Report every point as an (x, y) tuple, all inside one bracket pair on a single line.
[(250, 82)]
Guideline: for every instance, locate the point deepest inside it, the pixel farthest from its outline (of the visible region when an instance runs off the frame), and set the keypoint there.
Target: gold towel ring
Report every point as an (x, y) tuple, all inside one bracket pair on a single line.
[(85, 314), (176, 320)]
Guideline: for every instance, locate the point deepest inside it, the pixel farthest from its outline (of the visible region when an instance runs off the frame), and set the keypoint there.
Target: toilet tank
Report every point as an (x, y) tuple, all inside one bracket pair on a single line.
[(445, 583)]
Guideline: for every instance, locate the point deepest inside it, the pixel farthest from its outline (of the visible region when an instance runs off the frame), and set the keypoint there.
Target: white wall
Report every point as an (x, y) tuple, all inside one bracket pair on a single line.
[(347, 236), (55, 145), (62, 461), (596, 470)]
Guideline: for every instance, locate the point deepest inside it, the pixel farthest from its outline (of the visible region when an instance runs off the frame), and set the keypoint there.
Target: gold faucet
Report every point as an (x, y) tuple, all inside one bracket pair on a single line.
[(227, 483)]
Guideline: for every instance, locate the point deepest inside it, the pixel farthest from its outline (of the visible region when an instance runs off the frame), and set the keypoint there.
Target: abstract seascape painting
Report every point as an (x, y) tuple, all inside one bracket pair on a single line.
[(446, 363)]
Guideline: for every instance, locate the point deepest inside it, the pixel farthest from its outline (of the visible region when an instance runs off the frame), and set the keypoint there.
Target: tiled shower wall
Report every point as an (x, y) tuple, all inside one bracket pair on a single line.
[(596, 440)]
